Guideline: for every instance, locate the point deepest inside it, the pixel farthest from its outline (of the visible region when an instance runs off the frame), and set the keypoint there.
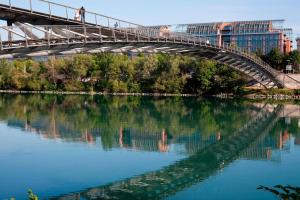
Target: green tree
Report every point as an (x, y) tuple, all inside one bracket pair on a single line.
[(118, 73), (55, 73), (227, 80), (259, 53), (293, 58), (275, 59), (171, 80), (5, 74), (202, 77), (146, 67)]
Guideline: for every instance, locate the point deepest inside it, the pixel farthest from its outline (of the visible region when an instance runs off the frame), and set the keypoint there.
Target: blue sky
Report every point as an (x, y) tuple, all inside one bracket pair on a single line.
[(153, 12)]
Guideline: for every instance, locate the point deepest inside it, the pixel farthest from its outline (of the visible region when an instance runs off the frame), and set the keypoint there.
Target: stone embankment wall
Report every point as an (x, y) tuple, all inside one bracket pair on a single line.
[(291, 81)]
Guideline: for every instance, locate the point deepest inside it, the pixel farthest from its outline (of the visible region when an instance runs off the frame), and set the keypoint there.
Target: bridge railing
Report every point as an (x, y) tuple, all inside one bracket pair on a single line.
[(185, 37), (53, 10), (27, 35), (47, 35), (64, 12), (244, 52)]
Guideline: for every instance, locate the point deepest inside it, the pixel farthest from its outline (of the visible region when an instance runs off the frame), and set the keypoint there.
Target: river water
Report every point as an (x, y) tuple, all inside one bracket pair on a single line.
[(95, 147)]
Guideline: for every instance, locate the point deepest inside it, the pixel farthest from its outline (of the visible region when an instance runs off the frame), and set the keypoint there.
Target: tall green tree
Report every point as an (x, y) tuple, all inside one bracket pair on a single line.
[(293, 58), (275, 58), (119, 73), (5, 74)]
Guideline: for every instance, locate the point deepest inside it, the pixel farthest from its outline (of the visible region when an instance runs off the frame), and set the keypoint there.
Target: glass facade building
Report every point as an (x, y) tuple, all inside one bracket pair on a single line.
[(255, 36)]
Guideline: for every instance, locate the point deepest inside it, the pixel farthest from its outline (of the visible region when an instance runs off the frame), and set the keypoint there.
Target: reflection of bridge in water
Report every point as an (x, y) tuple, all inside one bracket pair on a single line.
[(188, 141), (161, 141), (192, 170)]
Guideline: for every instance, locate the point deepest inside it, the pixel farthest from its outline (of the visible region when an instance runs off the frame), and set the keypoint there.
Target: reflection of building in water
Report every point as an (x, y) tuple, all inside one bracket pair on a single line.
[(138, 140), (142, 140), (161, 141), (297, 139), (266, 148), (88, 137), (284, 138), (53, 130), (189, 171), (158, 141)]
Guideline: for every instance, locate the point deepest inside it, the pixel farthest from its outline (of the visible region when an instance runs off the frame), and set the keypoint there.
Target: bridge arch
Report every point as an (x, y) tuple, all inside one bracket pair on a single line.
[(240, 61), (41, 34)]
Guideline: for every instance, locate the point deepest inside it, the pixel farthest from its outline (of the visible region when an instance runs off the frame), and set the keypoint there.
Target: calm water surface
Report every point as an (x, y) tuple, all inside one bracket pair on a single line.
[(81, 147)]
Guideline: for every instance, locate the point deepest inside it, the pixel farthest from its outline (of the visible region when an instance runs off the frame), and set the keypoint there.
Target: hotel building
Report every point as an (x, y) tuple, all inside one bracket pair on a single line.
[(254, 36)]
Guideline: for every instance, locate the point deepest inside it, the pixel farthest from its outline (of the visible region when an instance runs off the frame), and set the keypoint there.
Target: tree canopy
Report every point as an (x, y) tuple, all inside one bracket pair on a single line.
[(159, 73), (278, 60)]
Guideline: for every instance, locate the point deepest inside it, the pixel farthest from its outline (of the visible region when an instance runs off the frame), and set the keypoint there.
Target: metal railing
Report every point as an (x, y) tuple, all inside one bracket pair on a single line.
[(124, 34), (26, 35), (53, 10), (59, 10), (227, 47)]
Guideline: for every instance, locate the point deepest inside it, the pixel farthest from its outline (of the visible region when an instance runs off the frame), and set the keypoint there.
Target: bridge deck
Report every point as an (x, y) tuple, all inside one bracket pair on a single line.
[(12, 11)]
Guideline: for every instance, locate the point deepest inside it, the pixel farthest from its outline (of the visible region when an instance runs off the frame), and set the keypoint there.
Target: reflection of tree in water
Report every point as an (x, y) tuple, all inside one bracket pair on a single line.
[(283, 192), (75, 115), (187, 172), (93, 118)]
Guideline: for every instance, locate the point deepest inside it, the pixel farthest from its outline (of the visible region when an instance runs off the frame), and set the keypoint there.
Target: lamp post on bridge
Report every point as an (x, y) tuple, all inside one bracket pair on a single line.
[(288, 67)]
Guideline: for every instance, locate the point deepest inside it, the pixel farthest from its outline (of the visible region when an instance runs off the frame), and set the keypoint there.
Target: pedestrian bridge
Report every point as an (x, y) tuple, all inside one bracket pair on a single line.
[(43, 28)]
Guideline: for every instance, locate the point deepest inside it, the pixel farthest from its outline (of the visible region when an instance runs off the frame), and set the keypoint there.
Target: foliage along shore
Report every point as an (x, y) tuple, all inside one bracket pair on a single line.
[(143, 75), (111, 73)]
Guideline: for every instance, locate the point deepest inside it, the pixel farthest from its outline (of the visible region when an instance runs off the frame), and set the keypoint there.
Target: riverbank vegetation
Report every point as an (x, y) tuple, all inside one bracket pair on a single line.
[(276, 59), (119, 73)]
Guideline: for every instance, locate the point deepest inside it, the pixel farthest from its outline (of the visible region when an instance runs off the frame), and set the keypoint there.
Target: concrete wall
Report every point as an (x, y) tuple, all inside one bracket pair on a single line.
[(291, 81)]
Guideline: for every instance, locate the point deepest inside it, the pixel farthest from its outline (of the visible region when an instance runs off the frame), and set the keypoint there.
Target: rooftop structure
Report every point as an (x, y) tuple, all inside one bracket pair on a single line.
[(255, 36)]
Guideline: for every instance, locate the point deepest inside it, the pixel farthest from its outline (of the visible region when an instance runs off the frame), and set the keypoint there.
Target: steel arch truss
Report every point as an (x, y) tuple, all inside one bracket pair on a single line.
[(27, 40)]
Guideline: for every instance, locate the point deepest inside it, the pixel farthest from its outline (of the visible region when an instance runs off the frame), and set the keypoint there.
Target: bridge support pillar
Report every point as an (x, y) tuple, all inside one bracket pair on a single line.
[(47, 35), (9, 36)]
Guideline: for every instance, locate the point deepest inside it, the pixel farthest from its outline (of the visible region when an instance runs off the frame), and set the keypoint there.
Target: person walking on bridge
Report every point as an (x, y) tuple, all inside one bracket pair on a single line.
[(82, 13), (116, 25), (77, 15)]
